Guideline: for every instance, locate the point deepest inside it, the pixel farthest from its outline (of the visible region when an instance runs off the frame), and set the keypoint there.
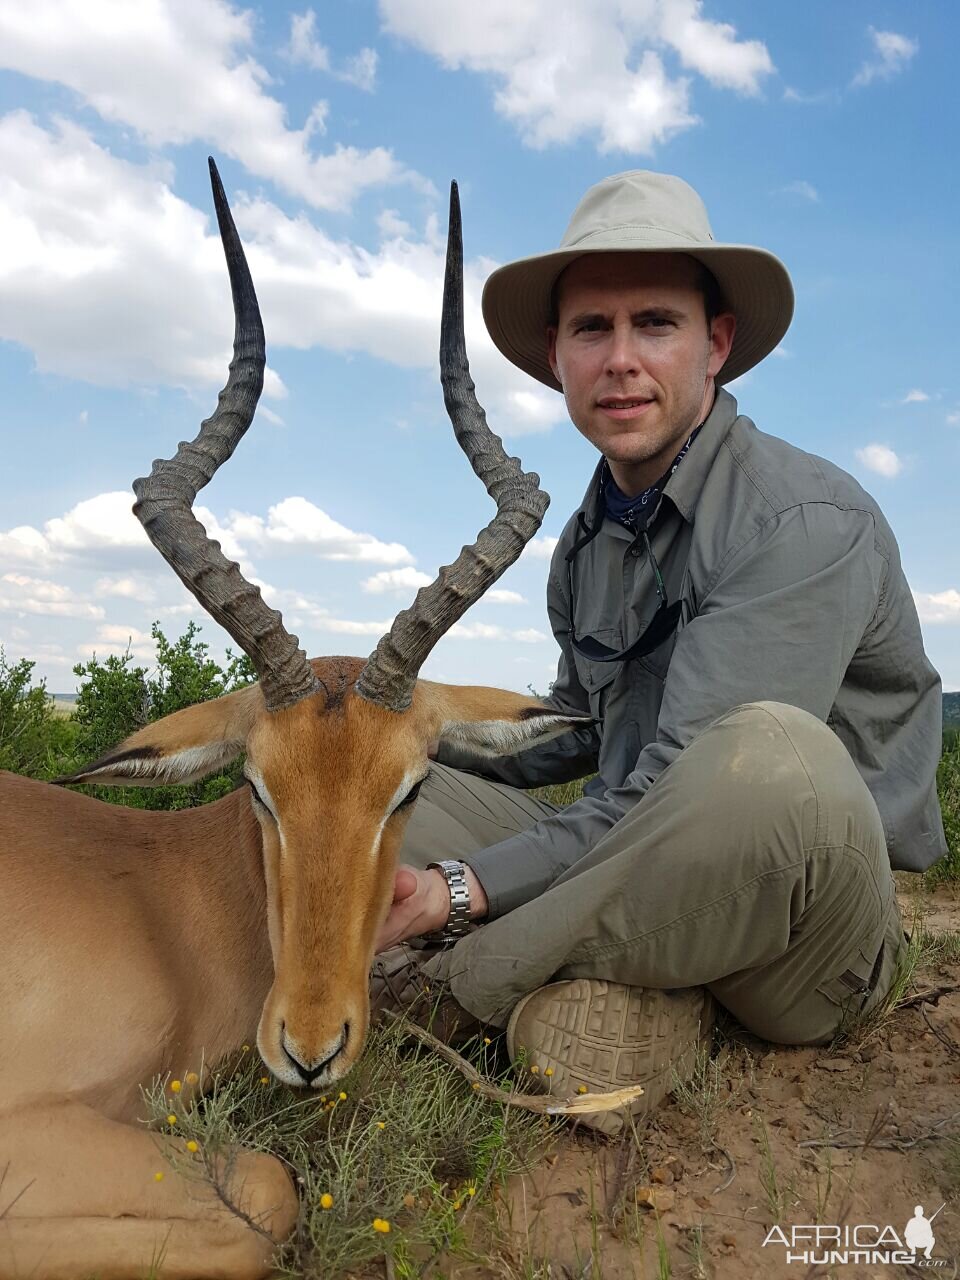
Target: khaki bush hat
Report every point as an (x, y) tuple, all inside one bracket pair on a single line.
[(640, 212)]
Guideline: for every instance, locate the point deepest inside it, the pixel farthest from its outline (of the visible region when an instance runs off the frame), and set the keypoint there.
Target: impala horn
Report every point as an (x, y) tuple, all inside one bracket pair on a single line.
[(391, 670), (165, 498)]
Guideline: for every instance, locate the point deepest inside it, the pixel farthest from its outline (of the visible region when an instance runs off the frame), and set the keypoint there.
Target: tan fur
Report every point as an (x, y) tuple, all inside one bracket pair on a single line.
[(139, 943)]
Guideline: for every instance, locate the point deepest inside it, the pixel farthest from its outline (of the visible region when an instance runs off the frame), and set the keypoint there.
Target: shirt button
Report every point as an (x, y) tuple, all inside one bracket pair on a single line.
[(635, 552)]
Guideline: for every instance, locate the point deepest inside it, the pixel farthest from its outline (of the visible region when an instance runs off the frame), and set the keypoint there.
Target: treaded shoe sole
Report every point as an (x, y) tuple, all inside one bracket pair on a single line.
[(605, 1036)]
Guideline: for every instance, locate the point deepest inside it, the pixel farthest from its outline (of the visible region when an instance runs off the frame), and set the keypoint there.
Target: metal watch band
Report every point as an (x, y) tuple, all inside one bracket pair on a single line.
[(458, 922)]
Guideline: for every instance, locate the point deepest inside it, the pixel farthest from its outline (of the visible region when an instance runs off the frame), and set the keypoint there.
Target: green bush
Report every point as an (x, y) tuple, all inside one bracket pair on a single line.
[(34, 739)]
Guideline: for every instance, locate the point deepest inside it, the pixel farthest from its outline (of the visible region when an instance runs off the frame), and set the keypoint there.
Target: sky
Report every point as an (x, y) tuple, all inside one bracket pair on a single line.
[(818, 131)]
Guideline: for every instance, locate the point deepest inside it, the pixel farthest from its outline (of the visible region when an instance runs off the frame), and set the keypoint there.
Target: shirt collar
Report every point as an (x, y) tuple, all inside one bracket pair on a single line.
[(684, 487)]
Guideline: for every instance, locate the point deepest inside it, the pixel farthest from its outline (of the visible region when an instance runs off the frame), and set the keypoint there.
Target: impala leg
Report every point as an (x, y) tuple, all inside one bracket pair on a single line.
[(79, 1197)]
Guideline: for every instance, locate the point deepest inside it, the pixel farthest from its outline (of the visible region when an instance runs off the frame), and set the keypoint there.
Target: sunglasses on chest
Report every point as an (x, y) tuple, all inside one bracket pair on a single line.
[(661, 626)]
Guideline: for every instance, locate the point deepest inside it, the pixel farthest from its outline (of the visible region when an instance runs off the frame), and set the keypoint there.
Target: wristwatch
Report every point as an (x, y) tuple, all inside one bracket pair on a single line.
[(458, 922)]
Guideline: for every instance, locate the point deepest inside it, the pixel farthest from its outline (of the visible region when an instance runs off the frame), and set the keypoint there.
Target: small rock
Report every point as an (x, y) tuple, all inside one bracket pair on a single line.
[(659, 1198), (928, 1062), (703, 1201), (834, 1064), (729, 1239), (662, 1173), (409, 1201), (869, 1052)]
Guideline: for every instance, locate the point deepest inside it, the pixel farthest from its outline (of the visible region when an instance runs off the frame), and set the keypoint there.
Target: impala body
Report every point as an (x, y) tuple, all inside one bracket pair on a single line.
[(140, 943)]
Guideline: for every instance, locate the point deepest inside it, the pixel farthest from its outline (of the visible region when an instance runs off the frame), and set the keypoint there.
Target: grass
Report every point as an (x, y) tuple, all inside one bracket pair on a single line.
[(780, 1190), (711, 1089), (410, 1145), (948, 788)]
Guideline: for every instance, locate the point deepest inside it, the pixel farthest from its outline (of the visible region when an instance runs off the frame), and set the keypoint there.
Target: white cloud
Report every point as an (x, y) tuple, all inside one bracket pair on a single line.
[(953, 419), (591, 68), (20, 594), (500, 595), (916, 396), (179, 71), (802, 188), (304, 47), (892, 53), (938, 606), (105, 523), (106, 275), (296, 523), (398, 581), (539, 548), (102, 532), (484, 631), (811, 99), (127, 588), (361, 70), (880, 459)]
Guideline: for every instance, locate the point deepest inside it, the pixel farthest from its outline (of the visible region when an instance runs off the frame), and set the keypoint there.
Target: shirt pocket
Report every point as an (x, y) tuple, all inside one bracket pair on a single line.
[(596, 677)]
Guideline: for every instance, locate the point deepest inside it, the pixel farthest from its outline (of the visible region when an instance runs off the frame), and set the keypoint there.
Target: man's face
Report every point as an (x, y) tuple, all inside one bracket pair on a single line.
[(636, 358)]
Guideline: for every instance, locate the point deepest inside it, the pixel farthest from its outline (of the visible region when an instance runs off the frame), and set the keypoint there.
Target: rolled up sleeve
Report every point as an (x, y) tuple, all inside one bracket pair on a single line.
[(781, 619)]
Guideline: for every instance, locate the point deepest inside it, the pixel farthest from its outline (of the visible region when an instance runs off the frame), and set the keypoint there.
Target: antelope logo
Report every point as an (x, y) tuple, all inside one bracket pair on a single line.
[(136, 943)]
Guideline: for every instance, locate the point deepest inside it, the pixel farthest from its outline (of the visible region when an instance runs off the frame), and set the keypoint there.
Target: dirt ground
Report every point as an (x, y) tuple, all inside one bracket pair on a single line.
[(711, 1179)]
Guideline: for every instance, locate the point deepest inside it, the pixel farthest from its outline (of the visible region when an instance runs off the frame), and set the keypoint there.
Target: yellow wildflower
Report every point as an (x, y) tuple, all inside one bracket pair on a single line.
[(487, 1040), (456, 1204), (581, 1088), (158, 1177), (264, 1079), (192, 1147), (381, 1124), (549, 1071), (471, 1191), (191, 1077), (326, 1200), (381, 1225), (175, 1086), (246, 1048), (171, 1118), (475, 1085), (534, 1069), (343, 1096)]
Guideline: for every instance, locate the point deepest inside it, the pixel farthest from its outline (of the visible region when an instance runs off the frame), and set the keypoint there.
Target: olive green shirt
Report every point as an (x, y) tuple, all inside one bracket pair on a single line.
[(792, 590)]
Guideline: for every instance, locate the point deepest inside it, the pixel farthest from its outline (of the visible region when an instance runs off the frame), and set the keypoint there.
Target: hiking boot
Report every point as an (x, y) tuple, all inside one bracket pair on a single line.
[(403, 981), (606, 1036)]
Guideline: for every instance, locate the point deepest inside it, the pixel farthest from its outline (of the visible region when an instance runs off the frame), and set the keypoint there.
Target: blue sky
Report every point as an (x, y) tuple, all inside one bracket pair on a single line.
[(814, 130)]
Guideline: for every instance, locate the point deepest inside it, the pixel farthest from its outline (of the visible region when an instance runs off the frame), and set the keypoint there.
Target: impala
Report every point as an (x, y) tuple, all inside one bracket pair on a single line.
[(136, 943)]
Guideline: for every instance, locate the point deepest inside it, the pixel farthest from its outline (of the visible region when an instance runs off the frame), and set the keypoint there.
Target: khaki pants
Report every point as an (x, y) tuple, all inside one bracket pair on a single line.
[(754, 866)]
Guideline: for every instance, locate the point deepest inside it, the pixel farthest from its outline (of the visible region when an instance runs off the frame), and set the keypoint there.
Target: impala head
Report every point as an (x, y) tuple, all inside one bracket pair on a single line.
[(336, 749)]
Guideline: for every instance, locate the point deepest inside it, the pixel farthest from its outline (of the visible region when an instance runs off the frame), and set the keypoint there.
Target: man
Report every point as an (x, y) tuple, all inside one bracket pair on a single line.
[(733, 613)]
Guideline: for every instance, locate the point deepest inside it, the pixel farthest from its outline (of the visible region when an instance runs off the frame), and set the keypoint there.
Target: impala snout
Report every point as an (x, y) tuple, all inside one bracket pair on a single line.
[(316, 1072)]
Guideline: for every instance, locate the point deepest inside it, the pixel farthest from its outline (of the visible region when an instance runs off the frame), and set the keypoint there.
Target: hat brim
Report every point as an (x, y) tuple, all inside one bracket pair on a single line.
[(755, 284)]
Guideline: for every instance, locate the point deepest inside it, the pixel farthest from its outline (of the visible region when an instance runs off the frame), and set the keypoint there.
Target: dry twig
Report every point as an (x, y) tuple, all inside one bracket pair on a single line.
[(539, 1103), (887, 1144)]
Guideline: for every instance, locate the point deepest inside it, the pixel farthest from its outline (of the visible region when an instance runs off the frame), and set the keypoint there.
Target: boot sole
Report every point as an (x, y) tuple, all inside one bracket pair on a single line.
[(599, 1036)]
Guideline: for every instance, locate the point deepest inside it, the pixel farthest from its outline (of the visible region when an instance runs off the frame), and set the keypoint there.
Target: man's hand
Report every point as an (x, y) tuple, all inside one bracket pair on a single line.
[(421, 904)]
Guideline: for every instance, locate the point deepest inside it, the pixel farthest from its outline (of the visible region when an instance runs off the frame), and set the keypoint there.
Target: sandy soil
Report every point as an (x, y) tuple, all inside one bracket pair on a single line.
[(903, 1082)]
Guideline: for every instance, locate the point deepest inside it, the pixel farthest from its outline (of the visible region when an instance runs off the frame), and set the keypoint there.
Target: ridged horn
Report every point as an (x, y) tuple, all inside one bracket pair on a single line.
[(165, 498), (392, 668)]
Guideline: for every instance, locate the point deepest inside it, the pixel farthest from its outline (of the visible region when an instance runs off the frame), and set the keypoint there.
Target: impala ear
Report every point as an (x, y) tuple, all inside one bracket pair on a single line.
[(183, 747), (494, 722)]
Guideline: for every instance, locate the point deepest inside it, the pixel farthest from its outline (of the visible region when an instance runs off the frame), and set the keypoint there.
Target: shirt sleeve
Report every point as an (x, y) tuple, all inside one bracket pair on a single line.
[(561, 759), (781, 619)]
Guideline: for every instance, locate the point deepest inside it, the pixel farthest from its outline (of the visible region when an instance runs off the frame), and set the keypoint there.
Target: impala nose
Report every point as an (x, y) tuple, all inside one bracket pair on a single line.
[(310, 1070)]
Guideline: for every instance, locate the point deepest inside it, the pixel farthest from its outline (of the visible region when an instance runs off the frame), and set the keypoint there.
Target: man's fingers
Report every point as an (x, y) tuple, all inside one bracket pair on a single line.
[(405, 884)]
